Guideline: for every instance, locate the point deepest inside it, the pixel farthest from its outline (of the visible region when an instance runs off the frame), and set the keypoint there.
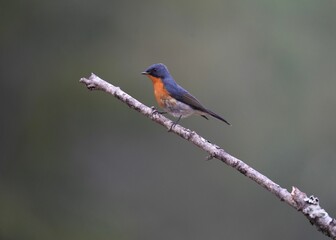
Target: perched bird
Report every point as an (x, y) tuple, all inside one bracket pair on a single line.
[(172, 97)]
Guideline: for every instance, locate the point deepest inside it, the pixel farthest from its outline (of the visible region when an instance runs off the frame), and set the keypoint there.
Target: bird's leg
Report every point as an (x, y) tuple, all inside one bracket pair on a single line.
[(154, 111), (174, 123)]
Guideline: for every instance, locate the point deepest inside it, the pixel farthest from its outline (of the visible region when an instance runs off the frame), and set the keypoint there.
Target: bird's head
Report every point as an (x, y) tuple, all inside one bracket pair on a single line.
[(157, 70)]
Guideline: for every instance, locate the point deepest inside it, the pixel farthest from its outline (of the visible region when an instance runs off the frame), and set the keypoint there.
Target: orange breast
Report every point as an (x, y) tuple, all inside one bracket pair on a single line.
[(160, 92)]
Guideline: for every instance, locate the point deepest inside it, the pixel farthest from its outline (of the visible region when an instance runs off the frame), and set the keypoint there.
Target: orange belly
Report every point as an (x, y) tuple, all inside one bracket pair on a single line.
[(160, 92)]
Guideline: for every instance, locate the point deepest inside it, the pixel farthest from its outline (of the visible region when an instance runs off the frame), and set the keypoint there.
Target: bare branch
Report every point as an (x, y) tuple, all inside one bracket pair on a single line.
[(309, 206)]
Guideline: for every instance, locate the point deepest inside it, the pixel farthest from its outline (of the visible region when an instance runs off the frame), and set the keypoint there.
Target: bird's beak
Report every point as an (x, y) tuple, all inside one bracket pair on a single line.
[(144, 73)]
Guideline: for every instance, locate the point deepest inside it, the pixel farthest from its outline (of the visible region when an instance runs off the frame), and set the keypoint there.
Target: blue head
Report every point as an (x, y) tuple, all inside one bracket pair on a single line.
[(157, 70)]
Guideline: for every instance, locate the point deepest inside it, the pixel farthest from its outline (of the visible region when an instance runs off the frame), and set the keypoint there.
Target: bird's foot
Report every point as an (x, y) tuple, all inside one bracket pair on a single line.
[(155, 111), (174, 124)]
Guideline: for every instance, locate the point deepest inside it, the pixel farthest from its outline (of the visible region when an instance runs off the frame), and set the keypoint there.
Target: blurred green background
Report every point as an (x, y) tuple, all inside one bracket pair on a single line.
[(81, 165)]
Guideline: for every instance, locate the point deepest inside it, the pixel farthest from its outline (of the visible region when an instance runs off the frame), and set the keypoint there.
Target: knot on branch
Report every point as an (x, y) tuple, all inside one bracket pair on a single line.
[(317, 216)]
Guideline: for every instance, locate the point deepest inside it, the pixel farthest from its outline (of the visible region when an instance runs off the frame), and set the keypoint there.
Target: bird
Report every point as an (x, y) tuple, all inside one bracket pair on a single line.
[(173, 98)]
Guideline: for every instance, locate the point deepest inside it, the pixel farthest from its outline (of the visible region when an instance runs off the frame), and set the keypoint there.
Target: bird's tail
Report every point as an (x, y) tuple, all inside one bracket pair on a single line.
[(217, 116)]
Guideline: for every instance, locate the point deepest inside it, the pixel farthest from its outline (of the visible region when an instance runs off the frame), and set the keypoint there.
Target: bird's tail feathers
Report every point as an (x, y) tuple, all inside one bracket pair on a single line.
[(217, 116)]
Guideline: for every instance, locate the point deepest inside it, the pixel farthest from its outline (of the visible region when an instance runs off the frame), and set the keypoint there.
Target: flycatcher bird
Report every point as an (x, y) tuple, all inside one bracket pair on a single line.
[(173, 98)]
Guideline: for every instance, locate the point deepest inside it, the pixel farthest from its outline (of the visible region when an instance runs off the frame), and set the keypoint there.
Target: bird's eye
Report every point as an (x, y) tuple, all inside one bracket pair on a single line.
[(154, 70)]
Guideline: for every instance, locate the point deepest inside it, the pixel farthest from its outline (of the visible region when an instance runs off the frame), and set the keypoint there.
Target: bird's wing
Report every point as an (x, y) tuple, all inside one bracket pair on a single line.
[(185, 97)]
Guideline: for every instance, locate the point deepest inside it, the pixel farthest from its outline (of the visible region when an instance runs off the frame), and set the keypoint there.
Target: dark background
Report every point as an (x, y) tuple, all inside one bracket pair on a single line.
[(80, 165)]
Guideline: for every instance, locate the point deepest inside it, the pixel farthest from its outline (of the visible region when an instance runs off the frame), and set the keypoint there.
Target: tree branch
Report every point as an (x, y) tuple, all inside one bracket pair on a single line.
[(309, 206)]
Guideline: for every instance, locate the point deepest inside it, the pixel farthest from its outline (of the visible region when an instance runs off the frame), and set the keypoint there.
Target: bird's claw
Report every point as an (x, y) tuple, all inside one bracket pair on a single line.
[(174, 123), (171, 127), (155, 111)]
